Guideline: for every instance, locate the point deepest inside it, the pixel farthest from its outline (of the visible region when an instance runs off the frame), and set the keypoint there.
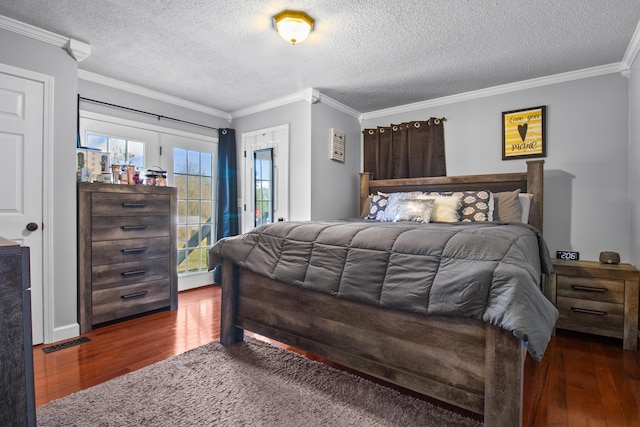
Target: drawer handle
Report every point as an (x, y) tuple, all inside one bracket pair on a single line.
[(133, 273), (588, 288), (586, 311), (135, 295), (134, 205), (133, 227), (133, 250)]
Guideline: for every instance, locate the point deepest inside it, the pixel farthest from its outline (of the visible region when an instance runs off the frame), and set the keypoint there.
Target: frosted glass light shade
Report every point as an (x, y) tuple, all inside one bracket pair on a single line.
[(293, 26)]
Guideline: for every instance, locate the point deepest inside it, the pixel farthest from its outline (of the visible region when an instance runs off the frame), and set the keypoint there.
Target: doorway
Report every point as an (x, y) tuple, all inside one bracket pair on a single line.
[(24, 114), (191, 167), (265, 195)]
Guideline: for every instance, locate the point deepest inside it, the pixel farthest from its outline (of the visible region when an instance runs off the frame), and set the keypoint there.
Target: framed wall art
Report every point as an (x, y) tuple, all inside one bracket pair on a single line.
[(523, 133)]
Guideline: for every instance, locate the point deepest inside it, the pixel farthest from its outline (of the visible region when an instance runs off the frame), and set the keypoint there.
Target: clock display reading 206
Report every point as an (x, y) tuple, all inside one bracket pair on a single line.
[(569, 255)]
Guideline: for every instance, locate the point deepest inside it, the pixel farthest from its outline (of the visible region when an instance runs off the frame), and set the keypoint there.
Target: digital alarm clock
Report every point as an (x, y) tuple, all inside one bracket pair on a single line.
[(569, 255)]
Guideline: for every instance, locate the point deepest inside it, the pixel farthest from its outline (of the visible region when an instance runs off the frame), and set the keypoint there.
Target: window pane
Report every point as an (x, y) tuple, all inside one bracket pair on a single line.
[(180, 181), (179, 160), (206, 211), (118, 149), (182, 236), (135, 154), (182, 267), (194, 212), (194, 187), (206, 163), (206, 236), (182, 212), (194, 162), (194, 236), (207, 188), (97, 141)]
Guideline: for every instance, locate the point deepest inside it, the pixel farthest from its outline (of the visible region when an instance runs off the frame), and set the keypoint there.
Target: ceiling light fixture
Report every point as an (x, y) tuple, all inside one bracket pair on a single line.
[(294, 26)]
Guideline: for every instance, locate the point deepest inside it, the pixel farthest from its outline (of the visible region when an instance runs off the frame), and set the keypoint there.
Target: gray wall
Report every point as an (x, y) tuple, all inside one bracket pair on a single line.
[(586, 168), (298, 116), (29, 54), (634, 161), (335, 188)]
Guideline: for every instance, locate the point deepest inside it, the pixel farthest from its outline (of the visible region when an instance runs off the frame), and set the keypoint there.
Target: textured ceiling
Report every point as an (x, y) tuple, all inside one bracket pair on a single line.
[(366, 54)]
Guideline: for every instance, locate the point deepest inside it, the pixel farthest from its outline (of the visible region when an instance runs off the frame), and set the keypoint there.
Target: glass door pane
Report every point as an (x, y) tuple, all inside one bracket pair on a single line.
[(263, 167)]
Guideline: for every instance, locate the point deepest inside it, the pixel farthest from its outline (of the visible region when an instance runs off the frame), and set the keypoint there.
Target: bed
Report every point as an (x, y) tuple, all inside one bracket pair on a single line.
[(466, 362)]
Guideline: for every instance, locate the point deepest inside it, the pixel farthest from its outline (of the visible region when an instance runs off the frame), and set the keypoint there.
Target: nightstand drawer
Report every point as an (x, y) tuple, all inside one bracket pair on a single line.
[(590, 316), (122, 301), (590, 288), (114, 204)]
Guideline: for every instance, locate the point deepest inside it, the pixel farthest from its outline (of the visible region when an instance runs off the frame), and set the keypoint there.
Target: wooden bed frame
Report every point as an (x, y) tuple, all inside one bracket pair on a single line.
[(464, 362)]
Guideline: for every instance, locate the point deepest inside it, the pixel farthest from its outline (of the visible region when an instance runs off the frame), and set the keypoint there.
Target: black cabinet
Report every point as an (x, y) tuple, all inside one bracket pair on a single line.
[(17, 397)]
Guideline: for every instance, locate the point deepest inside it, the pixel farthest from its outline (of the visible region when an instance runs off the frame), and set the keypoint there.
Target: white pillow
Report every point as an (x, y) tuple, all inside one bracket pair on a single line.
[(445, 208), (525, 204)]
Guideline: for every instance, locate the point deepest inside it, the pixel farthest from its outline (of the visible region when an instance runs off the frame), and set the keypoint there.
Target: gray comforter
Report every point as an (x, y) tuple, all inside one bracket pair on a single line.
[(485, 271)]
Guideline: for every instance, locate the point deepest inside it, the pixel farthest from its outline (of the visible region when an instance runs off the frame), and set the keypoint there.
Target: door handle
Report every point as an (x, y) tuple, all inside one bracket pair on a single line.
[(32, 226)]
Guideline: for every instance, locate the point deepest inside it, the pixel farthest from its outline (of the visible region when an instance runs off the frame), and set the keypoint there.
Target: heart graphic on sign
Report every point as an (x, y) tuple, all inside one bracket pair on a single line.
[(522, 129)]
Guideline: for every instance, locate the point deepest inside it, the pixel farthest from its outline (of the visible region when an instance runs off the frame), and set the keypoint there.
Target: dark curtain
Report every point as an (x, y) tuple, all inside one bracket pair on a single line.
[(408, 150), (227, 206)]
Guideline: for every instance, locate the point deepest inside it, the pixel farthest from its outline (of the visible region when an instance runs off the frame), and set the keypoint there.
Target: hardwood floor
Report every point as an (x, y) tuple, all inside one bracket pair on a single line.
[(582, 380)]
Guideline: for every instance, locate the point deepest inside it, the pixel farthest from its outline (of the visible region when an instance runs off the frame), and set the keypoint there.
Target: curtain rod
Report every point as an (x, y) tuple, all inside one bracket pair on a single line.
[(159, 116)]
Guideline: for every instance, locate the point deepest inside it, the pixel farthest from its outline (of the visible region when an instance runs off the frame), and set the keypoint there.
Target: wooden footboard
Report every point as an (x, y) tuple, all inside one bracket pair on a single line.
[(463, 362)]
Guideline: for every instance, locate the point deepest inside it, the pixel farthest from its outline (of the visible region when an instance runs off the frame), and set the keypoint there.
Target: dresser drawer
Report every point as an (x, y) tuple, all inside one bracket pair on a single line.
[(128, 250), (122, 301), (113, 204), (106, 276), (129, 227), (590, 288), (591, 316)]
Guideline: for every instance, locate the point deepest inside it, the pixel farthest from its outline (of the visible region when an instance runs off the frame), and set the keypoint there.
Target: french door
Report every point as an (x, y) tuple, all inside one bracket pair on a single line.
[(191, 167)]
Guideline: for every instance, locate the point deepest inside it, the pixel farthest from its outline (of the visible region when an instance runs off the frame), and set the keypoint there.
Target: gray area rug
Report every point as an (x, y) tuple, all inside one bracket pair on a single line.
[(248, 384)]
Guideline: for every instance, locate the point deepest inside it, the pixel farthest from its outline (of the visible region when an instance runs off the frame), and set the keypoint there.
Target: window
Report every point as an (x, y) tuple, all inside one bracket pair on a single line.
[(123, 151)]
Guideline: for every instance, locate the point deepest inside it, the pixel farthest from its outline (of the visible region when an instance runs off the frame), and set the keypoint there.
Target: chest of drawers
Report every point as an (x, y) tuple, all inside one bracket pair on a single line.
[(126, 251), (596, 298)]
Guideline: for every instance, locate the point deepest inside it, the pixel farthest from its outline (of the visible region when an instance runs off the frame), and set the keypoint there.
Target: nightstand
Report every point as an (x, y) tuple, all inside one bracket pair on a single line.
[(596, 298)]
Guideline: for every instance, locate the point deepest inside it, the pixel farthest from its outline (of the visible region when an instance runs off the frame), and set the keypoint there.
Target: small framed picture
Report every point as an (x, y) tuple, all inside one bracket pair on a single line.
[(523, 133)]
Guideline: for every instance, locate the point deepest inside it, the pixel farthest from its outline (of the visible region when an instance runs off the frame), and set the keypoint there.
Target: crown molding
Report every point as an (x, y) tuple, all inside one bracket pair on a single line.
[(499, 90), (324, 99), (632, 50), (304, 95), (77, 49), (312, 96), (148, 93), (33, 32)]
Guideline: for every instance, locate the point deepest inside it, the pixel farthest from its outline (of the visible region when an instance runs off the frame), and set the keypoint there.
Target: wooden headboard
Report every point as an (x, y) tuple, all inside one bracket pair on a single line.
[(531, 181)]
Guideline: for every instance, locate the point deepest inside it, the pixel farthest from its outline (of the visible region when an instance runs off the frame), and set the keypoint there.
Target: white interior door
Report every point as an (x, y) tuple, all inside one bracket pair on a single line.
[(276, 138), (21, 146), (190, 163)]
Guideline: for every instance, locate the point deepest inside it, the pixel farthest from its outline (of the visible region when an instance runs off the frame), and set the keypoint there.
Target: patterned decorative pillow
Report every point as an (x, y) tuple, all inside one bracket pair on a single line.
[(476, 206), (392, 203), (377, 206), (414, 210)]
